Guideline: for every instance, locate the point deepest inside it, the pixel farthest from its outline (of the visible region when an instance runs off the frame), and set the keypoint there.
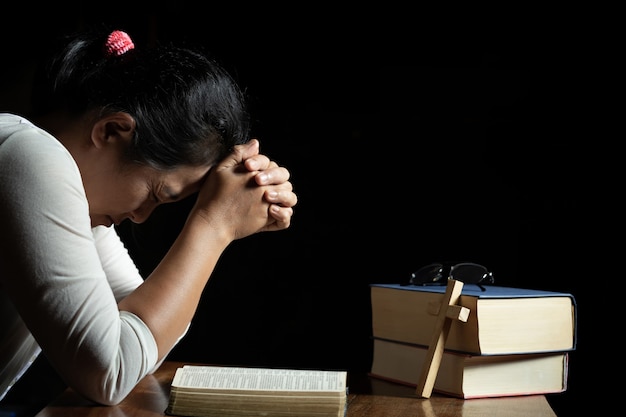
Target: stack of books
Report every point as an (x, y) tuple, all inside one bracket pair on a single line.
[(515, 341)]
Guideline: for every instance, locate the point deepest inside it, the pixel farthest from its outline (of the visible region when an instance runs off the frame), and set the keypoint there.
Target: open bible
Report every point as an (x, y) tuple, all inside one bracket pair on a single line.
[(206, 391)]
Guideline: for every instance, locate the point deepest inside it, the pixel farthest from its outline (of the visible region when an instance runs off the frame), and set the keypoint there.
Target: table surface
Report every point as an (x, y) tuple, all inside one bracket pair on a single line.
[(369, 397)]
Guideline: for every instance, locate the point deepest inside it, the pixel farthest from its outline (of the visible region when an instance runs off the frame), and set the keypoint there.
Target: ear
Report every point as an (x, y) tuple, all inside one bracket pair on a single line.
[(113, 129)]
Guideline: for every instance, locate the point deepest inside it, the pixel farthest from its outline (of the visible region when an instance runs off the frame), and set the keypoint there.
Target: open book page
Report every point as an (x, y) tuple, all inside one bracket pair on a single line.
[(213, 378)]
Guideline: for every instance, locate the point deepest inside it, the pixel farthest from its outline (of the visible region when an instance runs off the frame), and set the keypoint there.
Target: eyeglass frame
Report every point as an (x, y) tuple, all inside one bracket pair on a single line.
[(446, 269)]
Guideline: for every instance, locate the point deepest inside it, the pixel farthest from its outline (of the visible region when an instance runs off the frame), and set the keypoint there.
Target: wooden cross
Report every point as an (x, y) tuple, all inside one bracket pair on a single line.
[(446, 312)]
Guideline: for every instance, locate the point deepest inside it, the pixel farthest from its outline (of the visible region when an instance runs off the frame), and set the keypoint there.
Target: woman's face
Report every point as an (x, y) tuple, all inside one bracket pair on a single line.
[(118, 189), (133, 191)]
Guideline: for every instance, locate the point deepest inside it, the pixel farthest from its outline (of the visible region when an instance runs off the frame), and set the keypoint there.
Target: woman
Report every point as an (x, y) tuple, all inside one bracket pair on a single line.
[(116, 131)]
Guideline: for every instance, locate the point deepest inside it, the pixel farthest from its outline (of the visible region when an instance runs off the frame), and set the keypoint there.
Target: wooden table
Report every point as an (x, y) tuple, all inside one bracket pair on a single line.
[(368, 397)]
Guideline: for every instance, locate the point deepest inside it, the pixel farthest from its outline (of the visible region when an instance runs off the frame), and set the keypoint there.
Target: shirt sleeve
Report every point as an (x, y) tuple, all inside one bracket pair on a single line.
[(120, 270), (64, 277)]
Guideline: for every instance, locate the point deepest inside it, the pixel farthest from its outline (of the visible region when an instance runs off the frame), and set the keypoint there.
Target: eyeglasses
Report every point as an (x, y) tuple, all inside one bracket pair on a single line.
[(439, 273)]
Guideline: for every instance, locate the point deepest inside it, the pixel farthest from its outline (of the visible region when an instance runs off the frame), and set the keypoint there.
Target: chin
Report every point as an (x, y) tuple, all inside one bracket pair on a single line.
[(105, 221)]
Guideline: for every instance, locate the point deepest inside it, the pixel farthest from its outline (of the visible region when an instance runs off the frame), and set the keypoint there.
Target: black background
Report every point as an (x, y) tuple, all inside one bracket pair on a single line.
[(406, 145)]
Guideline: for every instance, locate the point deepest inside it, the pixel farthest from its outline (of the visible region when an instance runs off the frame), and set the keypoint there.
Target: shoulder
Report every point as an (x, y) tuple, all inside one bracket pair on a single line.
[(26, 148), (12, 126), (36, 170), (19, 133)]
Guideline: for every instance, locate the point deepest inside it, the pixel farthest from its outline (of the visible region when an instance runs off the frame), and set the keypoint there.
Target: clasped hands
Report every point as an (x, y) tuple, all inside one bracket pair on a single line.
[(248, 193)]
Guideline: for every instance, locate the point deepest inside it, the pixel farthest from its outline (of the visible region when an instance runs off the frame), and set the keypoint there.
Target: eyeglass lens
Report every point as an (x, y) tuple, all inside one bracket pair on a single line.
[(470, 273), (467, 272), (428, 274)]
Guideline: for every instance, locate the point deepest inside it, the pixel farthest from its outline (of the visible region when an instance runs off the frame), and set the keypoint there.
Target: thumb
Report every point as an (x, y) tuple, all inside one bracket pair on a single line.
[(249, 149), (240, 153)]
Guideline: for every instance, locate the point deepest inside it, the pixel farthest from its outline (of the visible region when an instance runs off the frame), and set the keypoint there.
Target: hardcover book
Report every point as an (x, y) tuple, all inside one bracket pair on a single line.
[(473, 376), (502, 320)]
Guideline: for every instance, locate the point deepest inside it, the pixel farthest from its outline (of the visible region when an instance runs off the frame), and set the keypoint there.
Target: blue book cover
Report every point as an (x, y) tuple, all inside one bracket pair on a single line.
[(483, 291), (512, 327)]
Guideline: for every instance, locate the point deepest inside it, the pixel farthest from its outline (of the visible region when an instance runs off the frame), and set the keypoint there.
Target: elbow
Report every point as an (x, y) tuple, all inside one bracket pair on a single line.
[(113, 399), (108, 391), (104, 397)]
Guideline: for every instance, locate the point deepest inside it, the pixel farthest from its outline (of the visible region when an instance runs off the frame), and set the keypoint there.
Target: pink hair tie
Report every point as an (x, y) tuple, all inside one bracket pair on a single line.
[(118, 43)]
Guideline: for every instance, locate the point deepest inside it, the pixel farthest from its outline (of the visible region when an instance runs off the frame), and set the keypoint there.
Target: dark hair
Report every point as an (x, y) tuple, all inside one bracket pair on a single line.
[(187, 108)]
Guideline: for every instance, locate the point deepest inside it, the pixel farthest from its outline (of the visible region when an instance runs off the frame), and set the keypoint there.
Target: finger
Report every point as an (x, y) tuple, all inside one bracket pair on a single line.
[(281, 197), (259, 162), (247, 150), (239, 154), (282, 217), (273, 176)]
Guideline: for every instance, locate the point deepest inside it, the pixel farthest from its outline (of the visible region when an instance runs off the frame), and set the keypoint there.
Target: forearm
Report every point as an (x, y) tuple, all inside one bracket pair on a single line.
[(232, 204), (168, 299)]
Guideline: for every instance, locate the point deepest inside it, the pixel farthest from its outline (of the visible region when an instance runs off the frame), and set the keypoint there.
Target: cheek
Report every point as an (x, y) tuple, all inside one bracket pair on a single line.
[(122, 196), (133, 196)]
